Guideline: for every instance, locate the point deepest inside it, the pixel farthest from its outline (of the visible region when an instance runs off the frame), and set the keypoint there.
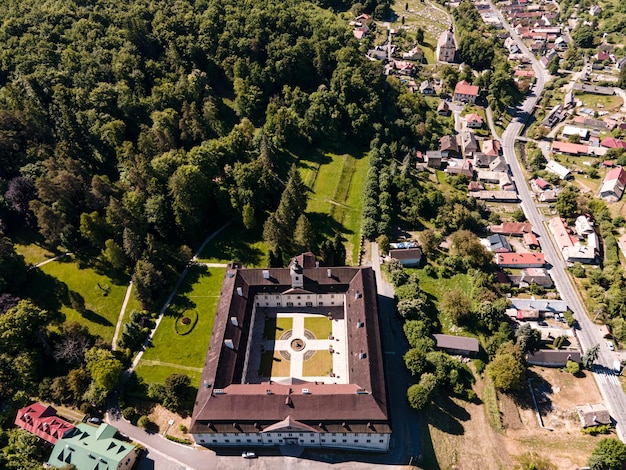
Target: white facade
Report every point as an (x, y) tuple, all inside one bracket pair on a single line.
[(346, 440), (299, 300)]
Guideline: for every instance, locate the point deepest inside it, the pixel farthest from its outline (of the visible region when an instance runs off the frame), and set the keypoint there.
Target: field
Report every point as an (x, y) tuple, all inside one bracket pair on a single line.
[(33, 254), (170, 352), (458, 434), (320, 326), (336, 197), (51, 284)]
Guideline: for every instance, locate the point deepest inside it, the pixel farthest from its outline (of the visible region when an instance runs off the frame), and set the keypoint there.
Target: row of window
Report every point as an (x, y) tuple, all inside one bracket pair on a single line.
[(277, 297), (270, 441), (290, 304)]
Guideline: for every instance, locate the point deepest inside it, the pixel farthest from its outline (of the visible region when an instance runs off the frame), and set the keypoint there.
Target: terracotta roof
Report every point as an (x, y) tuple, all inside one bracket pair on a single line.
[(250, 405), (530, 239), (567, 147), (512, 228), (474, 118), (613, 143), (491, 147), (464, 88), (616, 174), (520, 259)]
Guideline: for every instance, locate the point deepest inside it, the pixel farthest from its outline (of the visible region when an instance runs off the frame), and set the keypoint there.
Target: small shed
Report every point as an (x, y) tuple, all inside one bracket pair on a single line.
[(593, 415), (407, 256), (457, 344)]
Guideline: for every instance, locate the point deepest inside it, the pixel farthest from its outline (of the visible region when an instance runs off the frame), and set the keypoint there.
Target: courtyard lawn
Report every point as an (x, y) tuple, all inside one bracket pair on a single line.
[(320, 365), (200, 291), (50, 284), (274, 365), (320, 326), (275, 327), (235, 243), (601, 102), (336, 197)]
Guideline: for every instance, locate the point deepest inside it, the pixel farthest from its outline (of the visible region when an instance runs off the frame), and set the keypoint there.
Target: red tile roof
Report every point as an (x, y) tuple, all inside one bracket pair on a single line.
[(464, 88), (520, 259), (474, 118), (567, 147), (42, 421), (530, 239), (616, 174), (613, 143), (512, 228)]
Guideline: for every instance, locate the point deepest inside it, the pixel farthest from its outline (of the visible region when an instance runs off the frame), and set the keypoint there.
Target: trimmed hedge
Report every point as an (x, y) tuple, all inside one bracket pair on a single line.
[(179, 440)]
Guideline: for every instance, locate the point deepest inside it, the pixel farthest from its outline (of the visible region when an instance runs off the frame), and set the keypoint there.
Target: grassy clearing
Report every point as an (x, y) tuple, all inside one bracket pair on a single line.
[(50, 284), (321, 364), (159, 372), (490, 399), (336, 198), (200, 291), (235, 243), (274, 365), (34, 254), (321, 326), (601, 102)]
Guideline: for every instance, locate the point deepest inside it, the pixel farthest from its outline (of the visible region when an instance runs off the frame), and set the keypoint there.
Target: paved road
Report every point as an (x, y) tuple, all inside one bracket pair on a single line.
[(588, 334)]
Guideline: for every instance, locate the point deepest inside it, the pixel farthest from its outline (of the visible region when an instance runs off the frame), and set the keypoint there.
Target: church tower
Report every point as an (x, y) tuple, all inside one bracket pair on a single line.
[(297, 274), (446, 46)]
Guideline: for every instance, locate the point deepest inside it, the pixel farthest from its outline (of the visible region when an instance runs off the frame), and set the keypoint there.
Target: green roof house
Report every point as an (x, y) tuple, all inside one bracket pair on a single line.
[(89, 448)]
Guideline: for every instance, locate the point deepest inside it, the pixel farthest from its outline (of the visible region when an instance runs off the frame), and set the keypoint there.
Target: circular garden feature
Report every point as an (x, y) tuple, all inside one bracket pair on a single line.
[(186, 322), (298, 344)]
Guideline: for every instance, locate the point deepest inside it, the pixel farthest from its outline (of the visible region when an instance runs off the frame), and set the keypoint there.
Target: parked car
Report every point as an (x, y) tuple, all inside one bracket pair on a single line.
[(542, 323), (610, 346), (94, 420), (248, 455)]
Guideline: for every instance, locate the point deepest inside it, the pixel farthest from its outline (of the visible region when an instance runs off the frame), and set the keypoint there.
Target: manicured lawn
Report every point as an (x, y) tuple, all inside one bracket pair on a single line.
[(601, 102), (200, 291), (320, 326), (275, 327), (319, 365), (235, 243), (103, 299), (336, 197), (274, 365)]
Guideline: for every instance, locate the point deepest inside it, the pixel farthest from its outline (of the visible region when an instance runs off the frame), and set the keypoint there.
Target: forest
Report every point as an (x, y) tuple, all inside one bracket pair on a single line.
[(129, 132)]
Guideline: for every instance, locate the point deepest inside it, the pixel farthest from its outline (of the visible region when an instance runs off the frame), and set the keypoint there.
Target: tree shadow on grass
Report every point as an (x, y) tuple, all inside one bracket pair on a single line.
[(542, 389), (447, 416), (94, 317), (325, 226), (236, 244), (44, 290)]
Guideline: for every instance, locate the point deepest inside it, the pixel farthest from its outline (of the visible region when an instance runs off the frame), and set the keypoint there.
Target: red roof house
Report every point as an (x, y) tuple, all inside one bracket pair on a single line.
[(42, 421), (491, 147), (474, 121), (613, 143), (465, 92), (530, 240), (512, 228), (569, 148), (520, 260)]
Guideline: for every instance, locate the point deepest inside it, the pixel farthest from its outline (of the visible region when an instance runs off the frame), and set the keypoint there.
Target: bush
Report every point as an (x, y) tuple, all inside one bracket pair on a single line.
[(595, 430), (129, 414), (179, 440), (572, 367), (479, 366), (182, 428), (144, 422)]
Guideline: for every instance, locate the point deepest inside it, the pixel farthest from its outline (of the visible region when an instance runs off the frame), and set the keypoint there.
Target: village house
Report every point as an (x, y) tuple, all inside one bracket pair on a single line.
[(459, 345), (43, 422), (497, 243), (569, 131), (561, 233), (539, 276), (613, 143), (465, 92), (443, 109), (416, 54), (433, 159), (569, 148), (474, 121), (530, 240), (483, 161), (594, 89), (613, 185), (427, 88), (460, 167), (549, 195), (583, 226), (468, 141), (86, 447), (552, 358), (580, 254), (448, 146), (499, 165), (593, 415), (474, 186), (520, 260), (497, 196), (544, 306), (516, 229), (554, 167), (491, 147)]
